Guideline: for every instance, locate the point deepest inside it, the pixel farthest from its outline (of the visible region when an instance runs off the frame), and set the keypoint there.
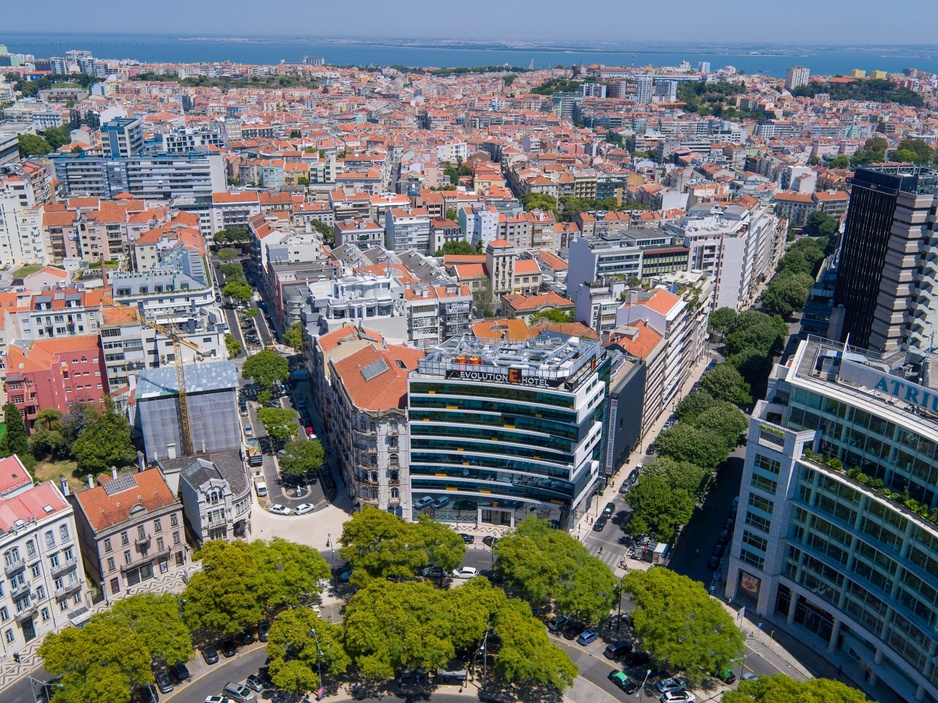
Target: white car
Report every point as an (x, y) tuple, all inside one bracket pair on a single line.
[(465, 572), (248, 431), (304, 508), (678, 697), (423, 502), (278, 509), (217, 699)]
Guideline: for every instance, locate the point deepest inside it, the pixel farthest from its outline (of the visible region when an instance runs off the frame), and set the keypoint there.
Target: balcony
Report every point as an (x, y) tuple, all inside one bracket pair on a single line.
[(67, 588), (17, 590), (14, 566), (63, 567), (142, 542), (25, 614)]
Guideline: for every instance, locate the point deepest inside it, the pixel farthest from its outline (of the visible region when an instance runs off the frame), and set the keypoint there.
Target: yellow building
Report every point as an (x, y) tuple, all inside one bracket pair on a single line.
[(858, 73), (878, 75)]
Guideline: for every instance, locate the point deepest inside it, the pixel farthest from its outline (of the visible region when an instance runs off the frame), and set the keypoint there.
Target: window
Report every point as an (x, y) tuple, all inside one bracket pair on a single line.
[(54, 561), (175, 538), (8, 636), (30, 549), (77, 598), (37, 570), (157, 525), (58, 583), (45, 614), (141, 533), (125, 540), (110, 563), (40, 592), (4, 614), (174, 520), (67, 553), (63, 605), (50, 538), (127, 556), (107, 544), (159, 544), (63, 532)]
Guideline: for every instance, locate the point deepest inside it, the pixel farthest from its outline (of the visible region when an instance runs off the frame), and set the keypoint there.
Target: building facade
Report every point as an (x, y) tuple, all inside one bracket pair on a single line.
[(500, 431), (836, 533)]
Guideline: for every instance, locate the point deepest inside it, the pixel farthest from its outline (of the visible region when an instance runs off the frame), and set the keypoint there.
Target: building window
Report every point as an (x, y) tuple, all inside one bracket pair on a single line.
[(63, 605), (174, 520), (67, 553), (63, 532), (159, 544), (45, 614), (175, 538), (4, 614), (157, 525), (125, 540), (8, 636), (77, 599), (107, 545), (40, 593), (30, 549), (50, 538), (141, 533), (127, 556), (54, 561), (110, 563), (37, 570)]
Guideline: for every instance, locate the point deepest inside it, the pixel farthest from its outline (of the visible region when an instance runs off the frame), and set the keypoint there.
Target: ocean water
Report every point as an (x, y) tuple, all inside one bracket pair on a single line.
[(765, 59)]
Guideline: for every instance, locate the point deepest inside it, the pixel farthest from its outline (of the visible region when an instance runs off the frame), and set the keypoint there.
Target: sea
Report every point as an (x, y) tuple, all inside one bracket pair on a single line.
[(765, 59)]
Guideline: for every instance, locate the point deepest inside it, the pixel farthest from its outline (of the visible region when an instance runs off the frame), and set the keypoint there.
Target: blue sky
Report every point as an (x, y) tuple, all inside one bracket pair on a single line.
[(739, 21)]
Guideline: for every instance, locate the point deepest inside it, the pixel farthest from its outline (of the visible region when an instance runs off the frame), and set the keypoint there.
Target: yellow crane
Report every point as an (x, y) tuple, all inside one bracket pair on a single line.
[(178, 343)]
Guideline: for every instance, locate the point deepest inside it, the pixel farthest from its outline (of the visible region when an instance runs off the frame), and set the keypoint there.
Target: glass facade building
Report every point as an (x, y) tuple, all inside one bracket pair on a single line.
[(836, 533), (502, 430)]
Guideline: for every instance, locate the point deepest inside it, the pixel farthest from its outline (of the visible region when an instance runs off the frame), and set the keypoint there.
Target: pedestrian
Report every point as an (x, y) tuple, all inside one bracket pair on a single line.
[(600, 550)]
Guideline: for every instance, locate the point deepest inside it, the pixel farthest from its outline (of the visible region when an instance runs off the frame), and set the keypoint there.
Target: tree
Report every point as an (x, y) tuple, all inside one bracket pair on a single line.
[(302, 458), (222, 599), (233, 235), (157, 619), (239, 291), (31, 145), (48, 444), (265, 367), (57, 137), (755, 329), (527, 655), (444, 547), (721, 319), (280, 422), (782, 689), (483, 300), (679, 623), (539, 201), (699, 446), (48, 419), (589, 592), (106, 442), (289, 574), (232, 271), (787, 293), (296, 654), (658, 507), (80, 417), (841, 161), (724, 420), (692, 405), (251, 313), (679, 474), (233, 346), (293, 337), (227, 254), (921, 153), (821, 224), (553, 315), (379, 545), (101, 662), (723, 382), (753, 366), (461, 247), (15, 440)]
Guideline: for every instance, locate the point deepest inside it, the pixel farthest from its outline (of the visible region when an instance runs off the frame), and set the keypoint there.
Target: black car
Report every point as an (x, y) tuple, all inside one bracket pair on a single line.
[(228, 648), (180, 672), (163, 682), (615, 650), (638, 658), (724, 537), (489, 541), (434, 572), (262, 629), (718, 550), (210, 654), (728, 525), (558, 623), (468, 539), (713, 563), (600, 524), (651, 448), (574, 630), (609, 510)]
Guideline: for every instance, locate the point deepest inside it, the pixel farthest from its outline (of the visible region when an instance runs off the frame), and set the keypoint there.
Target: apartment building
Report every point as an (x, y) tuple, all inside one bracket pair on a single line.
[(130, 530), (436, 313), (408, 229), (216, 496), (45, 587)]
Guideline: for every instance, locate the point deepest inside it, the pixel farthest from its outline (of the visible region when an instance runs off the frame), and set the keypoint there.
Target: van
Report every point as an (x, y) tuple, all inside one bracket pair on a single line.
[(239, 692), (261, 489)]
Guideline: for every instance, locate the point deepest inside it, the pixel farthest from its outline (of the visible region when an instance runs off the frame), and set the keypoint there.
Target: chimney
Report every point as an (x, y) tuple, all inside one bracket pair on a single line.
[(63, 484), (90, 481), (114, 472)]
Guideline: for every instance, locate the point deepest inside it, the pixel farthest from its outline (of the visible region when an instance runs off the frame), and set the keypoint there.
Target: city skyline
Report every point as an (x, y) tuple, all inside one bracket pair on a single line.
[(524, 21)]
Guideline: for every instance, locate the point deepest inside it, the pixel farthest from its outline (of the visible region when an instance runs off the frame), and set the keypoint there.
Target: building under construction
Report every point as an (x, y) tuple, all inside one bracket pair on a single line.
[(211, 391)]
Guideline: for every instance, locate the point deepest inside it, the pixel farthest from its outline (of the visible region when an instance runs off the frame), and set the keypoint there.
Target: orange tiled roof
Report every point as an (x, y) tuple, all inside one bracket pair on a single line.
[(104, 511)]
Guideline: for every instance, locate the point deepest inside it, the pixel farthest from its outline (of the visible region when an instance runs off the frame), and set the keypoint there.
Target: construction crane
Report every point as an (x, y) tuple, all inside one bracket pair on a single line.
[(178, 343)]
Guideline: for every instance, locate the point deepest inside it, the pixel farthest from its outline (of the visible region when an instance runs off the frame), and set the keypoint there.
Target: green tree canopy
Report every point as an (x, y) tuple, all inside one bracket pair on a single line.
[(280, 423), (15, 440), (232, 235), (233, 346), (293, 337), (483, 300), (693, 404), (227, 254), (921, 153), (721, 319), (101, 662), (821, 224), (106, 442), (444, 546), (679, 623), (753, 366), (57, 137), (158, 620), (787, 293), (289, 573), (302, 457), (296, 653), (265, 367), (239, 291), (526, 654), (658, 507), (232, 271), (697, 445), (552, 315), (679, 474), (724, 420), (539, 201), (757, 330), (782, 689), (32, 145), (723, 382), (461, 247)]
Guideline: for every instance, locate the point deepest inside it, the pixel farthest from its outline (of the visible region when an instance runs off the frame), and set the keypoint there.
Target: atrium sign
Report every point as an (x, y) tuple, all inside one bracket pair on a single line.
[(899, 388)]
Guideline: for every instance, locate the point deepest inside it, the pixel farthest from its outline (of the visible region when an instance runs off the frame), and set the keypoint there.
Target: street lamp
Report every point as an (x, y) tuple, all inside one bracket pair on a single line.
[(321, 693), (742, 661), (644, 681)]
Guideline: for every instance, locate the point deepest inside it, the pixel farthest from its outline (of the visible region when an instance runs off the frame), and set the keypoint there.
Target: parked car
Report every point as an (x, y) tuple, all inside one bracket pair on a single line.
[(713, 563), (489, 541), (423, 502), (217, 699), (670, 686), (587, 637), (147, 694), (228, 647), (573, 630), (724, 537), (651, 448), (278, 509), (246, 637), (255, 683), (624, 682), (609, 510), (467, 538), (434, 572), (559, 623), (614, 650), (163, 682), (440, 502), (465, 572), (600, 524), (725, 675), (678, 697), (262, 629), (718, 550), (749, 676), (304, 508), (210, 654), (180, 672), (248, 431)]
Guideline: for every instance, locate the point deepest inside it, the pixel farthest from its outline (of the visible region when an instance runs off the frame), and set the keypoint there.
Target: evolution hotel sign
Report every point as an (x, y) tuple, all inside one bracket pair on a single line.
[(913, 393)]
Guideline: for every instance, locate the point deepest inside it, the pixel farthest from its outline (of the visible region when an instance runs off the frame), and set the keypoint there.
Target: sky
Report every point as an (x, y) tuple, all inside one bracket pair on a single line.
[(737, 21)]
